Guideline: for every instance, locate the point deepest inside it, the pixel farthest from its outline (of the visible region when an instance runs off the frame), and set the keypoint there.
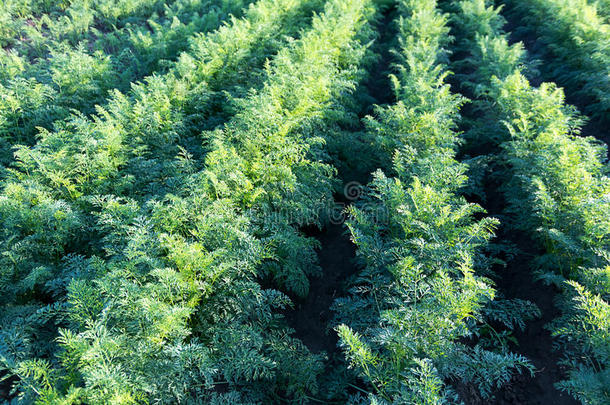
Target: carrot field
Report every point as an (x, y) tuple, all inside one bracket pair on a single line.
[(304, 202)]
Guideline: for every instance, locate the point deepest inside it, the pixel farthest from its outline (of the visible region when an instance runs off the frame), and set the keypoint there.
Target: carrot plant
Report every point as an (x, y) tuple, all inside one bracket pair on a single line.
[(82, 220), (39, 90), (163, 165), (575, 50), (556, 186), (214, 333), (419, 297)]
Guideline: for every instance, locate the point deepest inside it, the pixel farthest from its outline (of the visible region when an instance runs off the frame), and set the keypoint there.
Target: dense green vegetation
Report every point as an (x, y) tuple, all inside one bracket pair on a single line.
[(603, 9), (556, 186), (49, 73), (573, 40), (167, 165), (419, 295)]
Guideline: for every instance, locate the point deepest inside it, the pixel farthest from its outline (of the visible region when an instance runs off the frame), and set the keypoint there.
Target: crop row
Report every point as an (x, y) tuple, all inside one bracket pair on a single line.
[(162, 303), (45, 85), (575, 49), (134, 149), (420, 297), (556, 186), (33, 24), (149, 246)]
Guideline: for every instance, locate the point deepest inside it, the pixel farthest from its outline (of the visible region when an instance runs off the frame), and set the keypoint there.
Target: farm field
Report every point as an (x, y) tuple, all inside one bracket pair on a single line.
[(305, 202)]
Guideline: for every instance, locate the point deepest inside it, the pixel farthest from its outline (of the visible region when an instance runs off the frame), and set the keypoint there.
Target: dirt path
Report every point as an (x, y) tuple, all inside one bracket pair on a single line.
[(535, 342), (312, 315), (516, 280)]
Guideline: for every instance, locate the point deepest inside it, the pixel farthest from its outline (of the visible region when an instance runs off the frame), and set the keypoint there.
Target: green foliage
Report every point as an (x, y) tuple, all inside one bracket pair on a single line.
[(48, 75), (418, 296), (85, 158), (157, 175), (556, 185), (574, 39), (584, 329), (170, 309), (603, 9)]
